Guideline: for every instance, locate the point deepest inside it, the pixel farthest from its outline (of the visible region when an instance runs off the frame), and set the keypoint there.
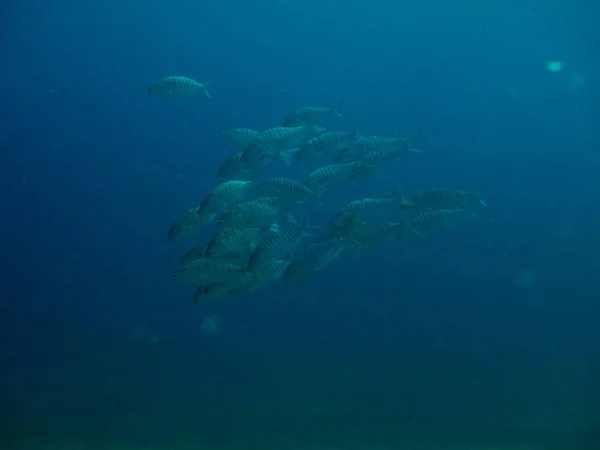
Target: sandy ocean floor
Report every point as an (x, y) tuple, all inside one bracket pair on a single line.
[(425, 440), (278, 428)]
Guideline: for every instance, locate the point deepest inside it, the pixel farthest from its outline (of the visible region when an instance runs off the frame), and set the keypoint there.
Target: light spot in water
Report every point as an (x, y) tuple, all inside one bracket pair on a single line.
[(554, 66)]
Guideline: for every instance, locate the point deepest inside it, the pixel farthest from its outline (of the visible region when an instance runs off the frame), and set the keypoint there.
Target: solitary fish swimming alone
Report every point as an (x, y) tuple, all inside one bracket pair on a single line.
[(178, 85)]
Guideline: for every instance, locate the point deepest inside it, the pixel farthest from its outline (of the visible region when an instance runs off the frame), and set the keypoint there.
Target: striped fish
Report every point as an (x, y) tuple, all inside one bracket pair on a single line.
[(312, 259), (233, 241), (224, 195), (276, 246), (324, 178), (427, 222), (204, 271), (189, 223), (241, 137), (253, 214), (311, 115), (178, 86), (330, 142), (283, 188), (234, 167), (366, 144), (439, 198), (192, 255)]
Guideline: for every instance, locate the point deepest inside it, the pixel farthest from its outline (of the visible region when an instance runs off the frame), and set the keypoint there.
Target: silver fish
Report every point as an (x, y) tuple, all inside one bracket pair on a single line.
[(193, 254), (276, 246), (368, 234), (204, 271), (312, 259), (326, 143), (233, 167), (311, 115), (284, 188), (366, 144), (224, 195), (253, 214), (241, 137), (236, 241), (178, 85), (430, 221), (324, 178), (189, 223), (439, 198), (215, 290)]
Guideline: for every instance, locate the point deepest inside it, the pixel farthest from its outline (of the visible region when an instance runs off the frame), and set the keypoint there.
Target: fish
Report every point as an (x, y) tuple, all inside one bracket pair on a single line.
[(376, 159), (193, 254), (371, 207), (189, 223), (361, 210), (210, 292), (311, 115), (324, 178), (233, 167), (313, 258), (276, 246), (368, 234), (326, 143), (253, 245), (430, 221), (216, 290), (224, 195), (233, 241), (279, 141), (283, 188), (205, 270), (177, 86), (254, 214), (367, 144), (241, 137), (272, 271), (439, 198)]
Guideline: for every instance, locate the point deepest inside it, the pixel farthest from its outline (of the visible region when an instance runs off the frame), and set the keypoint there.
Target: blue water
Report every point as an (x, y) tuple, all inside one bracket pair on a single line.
[(488, 329)]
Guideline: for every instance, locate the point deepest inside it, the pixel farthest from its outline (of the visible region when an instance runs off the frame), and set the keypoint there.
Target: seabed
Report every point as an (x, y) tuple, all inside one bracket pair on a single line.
[(280, 430)]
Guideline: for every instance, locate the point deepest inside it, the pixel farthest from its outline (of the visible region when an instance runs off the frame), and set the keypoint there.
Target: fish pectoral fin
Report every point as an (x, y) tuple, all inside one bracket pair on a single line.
[(288, 156)]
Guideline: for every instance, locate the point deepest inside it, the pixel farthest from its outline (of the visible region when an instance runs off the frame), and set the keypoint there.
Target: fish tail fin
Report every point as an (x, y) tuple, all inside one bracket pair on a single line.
[(477, 196), (306, 227), (206, 85), (414, 141), (337, 110), (399, 193), (320, 195)]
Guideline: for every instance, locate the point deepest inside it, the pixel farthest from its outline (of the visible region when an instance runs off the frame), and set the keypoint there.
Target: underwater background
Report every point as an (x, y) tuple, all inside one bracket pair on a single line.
[(484, 335)]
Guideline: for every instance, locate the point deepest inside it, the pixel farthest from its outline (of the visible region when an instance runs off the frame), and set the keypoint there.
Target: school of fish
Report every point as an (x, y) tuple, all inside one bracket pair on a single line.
[(259, 239)]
